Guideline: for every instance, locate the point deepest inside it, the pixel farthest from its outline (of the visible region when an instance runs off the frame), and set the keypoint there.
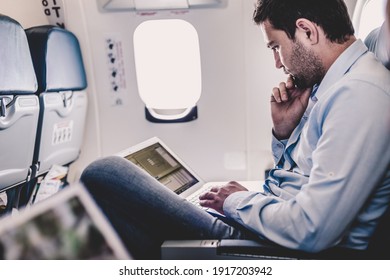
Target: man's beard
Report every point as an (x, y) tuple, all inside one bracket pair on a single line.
[(310, 70)]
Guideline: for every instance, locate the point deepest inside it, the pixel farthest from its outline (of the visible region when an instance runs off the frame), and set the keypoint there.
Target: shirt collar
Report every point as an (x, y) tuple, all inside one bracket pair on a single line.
[(341, 66)]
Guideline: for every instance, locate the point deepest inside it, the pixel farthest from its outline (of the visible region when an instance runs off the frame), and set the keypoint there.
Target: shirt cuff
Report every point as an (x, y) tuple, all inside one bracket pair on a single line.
[(278, 149), (234, 202)]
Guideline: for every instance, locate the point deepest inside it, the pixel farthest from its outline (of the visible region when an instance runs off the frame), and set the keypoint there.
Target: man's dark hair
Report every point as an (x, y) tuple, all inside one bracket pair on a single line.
[(331, 15)]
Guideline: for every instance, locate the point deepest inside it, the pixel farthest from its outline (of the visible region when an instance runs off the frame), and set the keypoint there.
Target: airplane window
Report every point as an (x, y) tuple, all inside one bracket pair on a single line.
[(372, 16), (168, 69)]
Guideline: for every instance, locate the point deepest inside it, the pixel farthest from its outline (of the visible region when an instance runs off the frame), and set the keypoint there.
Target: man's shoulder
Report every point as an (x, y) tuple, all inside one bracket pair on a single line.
[(367, 81), (368, 69)]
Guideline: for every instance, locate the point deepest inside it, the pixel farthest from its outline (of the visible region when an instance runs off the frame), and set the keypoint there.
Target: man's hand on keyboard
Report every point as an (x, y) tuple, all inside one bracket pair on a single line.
[(217, 195)]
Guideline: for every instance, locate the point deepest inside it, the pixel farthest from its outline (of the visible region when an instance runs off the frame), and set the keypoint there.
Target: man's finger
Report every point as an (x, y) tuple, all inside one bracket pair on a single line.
[(290, 82), (276, 95), (207, 196), (283, 91)]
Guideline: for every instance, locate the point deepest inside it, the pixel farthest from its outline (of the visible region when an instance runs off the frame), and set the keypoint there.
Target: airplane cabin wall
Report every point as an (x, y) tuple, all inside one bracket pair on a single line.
[(231, 137), (123, 125)]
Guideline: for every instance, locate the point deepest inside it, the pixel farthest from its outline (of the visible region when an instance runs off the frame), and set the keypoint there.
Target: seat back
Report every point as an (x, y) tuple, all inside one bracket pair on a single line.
[(377, 41), (19, 106), (62, 81)]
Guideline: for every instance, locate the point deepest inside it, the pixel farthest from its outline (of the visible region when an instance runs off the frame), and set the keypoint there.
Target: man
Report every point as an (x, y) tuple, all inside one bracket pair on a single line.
[(331, 135)]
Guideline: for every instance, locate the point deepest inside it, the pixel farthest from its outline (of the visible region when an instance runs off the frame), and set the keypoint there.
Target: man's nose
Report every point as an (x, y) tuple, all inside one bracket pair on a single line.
[(278, 63)]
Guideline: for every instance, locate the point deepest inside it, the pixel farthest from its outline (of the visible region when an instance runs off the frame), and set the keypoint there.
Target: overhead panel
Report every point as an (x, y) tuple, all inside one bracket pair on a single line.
[(155, 5)]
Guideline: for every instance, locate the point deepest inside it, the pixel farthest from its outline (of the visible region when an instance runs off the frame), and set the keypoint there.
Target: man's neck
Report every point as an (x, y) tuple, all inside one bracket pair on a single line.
[(334, 50)]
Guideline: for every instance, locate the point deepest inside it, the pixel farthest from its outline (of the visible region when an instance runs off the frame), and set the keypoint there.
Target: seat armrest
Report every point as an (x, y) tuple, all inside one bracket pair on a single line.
[(248, 249)]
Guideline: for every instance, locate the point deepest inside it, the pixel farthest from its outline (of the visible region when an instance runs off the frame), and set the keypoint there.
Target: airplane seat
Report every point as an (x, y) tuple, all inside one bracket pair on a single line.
[(62, 82), (376, 41), (19, 106)]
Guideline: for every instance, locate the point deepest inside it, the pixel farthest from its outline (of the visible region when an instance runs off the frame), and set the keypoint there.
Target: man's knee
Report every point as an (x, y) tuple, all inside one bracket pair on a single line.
[(102, 172), (113, 175)]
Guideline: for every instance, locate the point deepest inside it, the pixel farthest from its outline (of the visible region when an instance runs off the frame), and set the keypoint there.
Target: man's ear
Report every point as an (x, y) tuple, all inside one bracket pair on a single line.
[(307, 30)]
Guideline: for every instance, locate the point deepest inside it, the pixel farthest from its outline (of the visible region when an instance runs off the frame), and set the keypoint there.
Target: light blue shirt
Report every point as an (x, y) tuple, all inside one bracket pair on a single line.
[(331, 180)]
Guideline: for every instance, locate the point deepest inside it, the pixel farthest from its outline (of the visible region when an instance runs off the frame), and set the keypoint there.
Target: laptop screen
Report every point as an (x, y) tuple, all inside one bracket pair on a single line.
[(160, 164)]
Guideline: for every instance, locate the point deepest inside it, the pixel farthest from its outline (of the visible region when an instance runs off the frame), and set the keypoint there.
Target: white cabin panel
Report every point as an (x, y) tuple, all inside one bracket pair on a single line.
[(218, 145)]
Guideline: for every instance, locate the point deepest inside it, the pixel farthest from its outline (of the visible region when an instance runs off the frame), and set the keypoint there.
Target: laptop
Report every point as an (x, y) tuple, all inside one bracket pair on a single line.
[(157, 159), (66, 226)]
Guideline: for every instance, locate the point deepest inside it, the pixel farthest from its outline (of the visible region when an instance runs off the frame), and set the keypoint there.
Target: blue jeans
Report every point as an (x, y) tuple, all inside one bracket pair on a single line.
[(145, 213)]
